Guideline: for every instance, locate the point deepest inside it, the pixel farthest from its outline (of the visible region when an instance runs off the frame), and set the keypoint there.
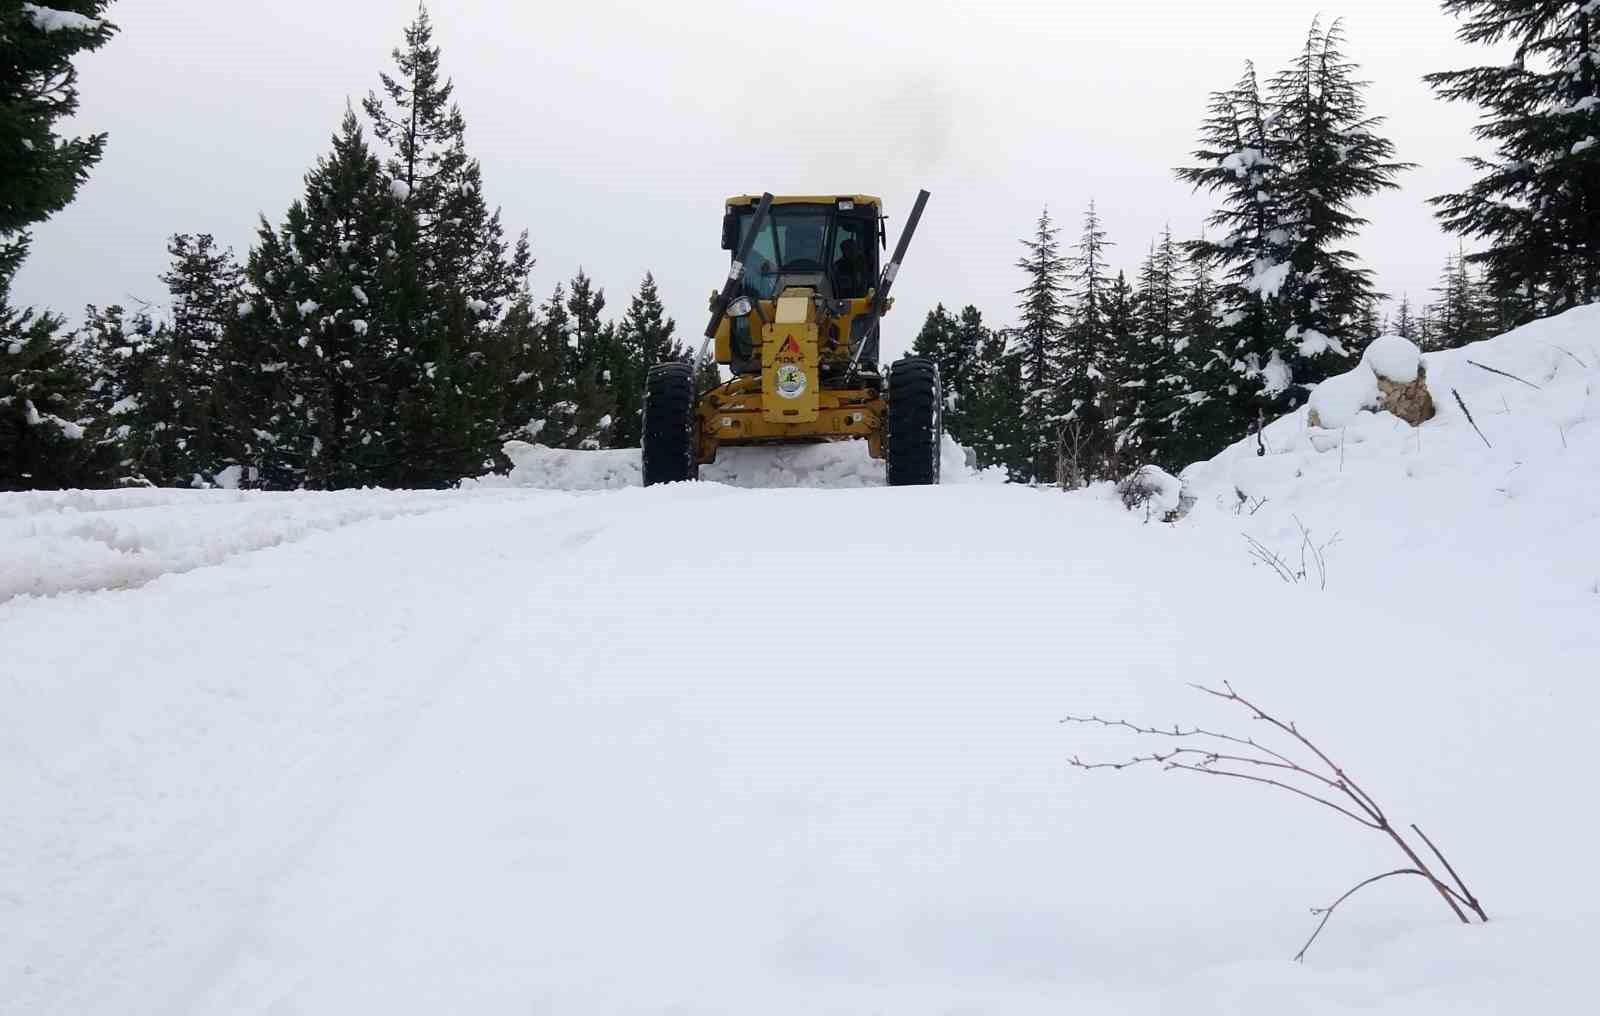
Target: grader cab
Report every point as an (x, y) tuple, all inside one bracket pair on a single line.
[(797, 324)]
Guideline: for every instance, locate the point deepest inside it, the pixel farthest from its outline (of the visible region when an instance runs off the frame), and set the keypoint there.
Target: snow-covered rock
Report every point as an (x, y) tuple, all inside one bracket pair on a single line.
[(1388, 378)]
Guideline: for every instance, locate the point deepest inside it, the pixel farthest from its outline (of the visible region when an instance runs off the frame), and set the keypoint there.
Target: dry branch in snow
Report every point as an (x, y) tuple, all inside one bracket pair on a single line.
[(1300, 767)]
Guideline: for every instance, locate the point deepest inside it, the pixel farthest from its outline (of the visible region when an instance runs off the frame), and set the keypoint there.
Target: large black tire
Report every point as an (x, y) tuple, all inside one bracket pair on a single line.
[(916, 422), (667, 447)]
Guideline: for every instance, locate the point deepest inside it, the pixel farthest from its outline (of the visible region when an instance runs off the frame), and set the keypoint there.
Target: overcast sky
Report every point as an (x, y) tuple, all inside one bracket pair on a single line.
[(613, 130)]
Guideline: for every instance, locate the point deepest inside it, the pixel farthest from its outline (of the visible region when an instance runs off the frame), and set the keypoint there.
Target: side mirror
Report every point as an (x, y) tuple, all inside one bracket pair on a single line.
[(740, 308), (730, 230)]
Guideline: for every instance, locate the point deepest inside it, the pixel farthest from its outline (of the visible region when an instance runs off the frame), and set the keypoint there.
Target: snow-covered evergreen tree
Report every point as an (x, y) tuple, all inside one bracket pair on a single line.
[(206, 287), (121, 354), (1537, 197), (334, 382), (1152, 369), (646, 337), (1457, 315), (1087, 346), (1038, 339), (957, 345), (1404, 323), (470, 275), (42, 381), (1289, 168), (1243, 371), (1332, 156), (993, 419)]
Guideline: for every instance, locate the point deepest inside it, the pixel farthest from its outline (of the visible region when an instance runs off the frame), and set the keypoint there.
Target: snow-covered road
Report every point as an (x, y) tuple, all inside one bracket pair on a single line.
[(709, 750)]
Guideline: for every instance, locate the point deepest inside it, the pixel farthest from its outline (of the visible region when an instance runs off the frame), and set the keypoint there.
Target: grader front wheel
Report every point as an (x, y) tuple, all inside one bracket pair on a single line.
[(667, 448), (916, 422)]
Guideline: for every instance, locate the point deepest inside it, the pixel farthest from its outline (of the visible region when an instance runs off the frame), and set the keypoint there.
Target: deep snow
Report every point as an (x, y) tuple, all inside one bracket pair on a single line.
[(703, 749)]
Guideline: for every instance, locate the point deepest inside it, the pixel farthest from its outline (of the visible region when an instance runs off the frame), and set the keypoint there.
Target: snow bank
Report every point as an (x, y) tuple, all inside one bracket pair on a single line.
[(1525, 493), (838, 464), (77, 541)]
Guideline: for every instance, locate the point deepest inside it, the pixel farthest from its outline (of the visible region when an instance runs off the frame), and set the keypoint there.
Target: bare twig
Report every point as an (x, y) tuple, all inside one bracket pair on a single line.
[(1466, 894), (1338, 791), (1328, 910), (1495, 370), (1470, 420), (1575, 356), (1265, 555)]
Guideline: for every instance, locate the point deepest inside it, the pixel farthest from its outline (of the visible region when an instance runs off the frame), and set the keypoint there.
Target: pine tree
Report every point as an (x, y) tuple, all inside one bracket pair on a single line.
[(339, 385), (591, 364), (956, 345), (1289, 168), (1537, 198), (121, 354), (1119, 389), (1234, 378), (1038, 340), (1333, 156), (1405, 323), (557, 424), (43, 385), (1086, 352), (646, 337), (996, 429), (973, 342), (206, 287), (1152, 367), (470, 275), (40, 172), (42, 381), (1457, 316)]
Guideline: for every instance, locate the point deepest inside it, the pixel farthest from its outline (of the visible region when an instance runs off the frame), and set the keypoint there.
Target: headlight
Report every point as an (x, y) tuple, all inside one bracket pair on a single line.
[(740, 307)]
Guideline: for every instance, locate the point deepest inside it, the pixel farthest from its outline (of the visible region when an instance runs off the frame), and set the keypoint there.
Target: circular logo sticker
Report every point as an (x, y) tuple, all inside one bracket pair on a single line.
[(791, 380)]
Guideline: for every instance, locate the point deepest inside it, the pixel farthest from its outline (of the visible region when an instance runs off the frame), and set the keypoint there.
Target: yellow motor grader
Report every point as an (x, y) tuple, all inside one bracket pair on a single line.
[(797, 324)]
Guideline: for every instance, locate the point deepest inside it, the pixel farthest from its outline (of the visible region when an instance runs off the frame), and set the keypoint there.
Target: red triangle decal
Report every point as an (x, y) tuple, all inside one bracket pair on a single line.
[(790, 347)]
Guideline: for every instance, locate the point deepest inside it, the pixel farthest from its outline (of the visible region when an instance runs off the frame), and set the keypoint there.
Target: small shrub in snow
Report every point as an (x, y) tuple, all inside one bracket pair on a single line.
[(1154, 490), (1299, 766), (1313, 557)]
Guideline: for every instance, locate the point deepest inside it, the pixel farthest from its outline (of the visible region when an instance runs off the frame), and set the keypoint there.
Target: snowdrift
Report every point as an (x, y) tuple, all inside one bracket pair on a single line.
[(73, 541), (1516, 484), (837, 464)]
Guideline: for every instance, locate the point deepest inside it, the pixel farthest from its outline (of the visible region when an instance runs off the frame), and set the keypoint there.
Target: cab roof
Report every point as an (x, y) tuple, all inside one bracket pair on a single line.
[(743, 200)]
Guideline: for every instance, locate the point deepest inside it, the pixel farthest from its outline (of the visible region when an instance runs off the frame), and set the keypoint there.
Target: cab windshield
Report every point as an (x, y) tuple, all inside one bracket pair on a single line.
[(811, 239)]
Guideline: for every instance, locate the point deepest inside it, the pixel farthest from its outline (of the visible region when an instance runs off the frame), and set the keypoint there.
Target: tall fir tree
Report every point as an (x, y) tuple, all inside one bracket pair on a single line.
[(1039, 339), (593, 363), (469, 274), (1234, 378), (1289, 167), (1087, 349), (1536, 200), (333, 382), (42, 381), (1332, 156), (1116, 394), (1153, 366), (206, 287)]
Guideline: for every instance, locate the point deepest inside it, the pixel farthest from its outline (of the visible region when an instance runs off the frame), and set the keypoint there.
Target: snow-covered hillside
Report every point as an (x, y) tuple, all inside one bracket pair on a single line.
[(704, 749), (1504, 507)]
